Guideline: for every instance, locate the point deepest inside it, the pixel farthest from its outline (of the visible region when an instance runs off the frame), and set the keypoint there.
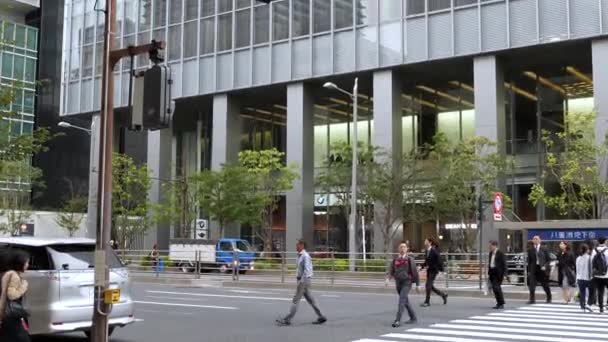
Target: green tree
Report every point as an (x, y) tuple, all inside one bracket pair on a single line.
[(225, 196), (463, 171), (17, 179), (72, 213), (180, 207), (272, 179), (574, 162), (130, 203)]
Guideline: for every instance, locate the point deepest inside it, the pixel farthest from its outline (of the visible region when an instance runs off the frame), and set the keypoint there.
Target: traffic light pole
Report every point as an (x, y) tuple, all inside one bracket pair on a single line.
[(99, 330)]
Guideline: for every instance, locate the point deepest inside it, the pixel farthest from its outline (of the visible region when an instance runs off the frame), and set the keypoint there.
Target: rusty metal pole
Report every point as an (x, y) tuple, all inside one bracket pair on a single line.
[(99, 331)]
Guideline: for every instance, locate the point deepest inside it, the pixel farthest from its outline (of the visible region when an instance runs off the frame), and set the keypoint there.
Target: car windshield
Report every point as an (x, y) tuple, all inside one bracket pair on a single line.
[(78, 257), (243, 246)]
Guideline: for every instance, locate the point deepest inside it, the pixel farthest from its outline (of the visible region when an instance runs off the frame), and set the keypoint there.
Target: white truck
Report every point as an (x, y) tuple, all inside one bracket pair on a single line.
[(211, 255)]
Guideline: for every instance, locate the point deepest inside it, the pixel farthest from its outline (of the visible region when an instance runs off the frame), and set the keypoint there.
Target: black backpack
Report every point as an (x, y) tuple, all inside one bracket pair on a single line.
[(598, 264)]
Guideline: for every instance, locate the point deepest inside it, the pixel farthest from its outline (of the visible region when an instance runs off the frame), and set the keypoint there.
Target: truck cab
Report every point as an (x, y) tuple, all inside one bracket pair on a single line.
[(228, 251), (221, 255)]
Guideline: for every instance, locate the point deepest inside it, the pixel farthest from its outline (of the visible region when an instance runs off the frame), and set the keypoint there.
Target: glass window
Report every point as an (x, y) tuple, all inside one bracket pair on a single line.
[(191, 9), (160, 13), (175, 39), (19, 72), (464, 2), (435, 5), (321, 15), (224, 37), (207, 35), (390, 10), (243, 246), (280, 21), (9, 32), (78, 257), (225, 246), (243, 3), (18, 101), (28, 101), (99, 55), (30, 70), (175, 12), (20, 36), (415, 7), (224, 6), (207, 8), (243, 25), (32, 39), (190, 39), (7, 65), (145, 14), (343, 13), (367, 12), (28, 128), (87, 61), (15, 127), (261, 28), (301, 17), (130, 16)]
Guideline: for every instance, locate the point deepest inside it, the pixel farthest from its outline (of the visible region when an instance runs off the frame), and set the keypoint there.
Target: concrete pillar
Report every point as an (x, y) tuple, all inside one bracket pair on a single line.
[(300, 151), (225, 146), (93, 178), (600, 92), (388, 136), (490, 119), (160, 163)]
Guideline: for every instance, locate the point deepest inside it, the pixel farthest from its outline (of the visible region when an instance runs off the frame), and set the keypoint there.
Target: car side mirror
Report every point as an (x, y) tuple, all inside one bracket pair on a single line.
[(65, 267)]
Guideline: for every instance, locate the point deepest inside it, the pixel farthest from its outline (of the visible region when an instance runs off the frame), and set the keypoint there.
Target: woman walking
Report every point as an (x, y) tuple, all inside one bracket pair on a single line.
[(583, 276), (566, 268), (13, 317)]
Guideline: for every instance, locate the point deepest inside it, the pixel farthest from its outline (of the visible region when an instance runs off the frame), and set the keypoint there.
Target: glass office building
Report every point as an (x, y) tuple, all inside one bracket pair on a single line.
[(248, 75)]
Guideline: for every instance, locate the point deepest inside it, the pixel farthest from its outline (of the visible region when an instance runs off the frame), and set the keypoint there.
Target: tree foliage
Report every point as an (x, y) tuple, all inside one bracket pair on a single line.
[(574, 162), (130, 203), (271, 180), (17, 179), (180, 207), (72, 213)]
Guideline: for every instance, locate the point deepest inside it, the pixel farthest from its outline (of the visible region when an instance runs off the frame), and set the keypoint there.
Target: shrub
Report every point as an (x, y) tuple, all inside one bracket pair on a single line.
[(146, 262), (372, 265), (339, 265), (267, 264)]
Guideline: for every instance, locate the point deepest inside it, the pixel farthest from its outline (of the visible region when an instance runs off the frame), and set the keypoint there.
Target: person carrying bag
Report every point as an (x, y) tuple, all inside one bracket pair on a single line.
[(13, 314)]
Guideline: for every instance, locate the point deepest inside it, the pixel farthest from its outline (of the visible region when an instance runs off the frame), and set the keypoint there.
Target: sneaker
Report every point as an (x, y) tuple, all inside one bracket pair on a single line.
[(320, 321), (588, 309), (445, 299), (283, 322), (396, 324), (425, 305), (412, 321)]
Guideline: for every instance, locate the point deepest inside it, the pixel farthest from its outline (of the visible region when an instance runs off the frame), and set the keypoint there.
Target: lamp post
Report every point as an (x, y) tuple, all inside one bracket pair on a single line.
[(352, 253), (69, 125)]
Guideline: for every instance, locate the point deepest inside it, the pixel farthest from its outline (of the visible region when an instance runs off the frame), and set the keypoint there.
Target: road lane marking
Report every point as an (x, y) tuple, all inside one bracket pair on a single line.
[(166, 312), (527, 337), (551, 314), (556, 308), (535, 320), (176, 298), (219, 296), (188, 305), (331, 296), (527, 325), (437, 338), (515, 330), (584, 318)]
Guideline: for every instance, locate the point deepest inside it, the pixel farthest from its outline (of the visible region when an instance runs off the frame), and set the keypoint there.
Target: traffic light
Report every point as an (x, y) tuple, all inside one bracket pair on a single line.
[(152, 104)]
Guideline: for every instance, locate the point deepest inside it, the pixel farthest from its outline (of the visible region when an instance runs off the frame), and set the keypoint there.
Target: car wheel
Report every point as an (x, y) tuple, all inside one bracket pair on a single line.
[(223, 269), (186, 267), (110, 332)]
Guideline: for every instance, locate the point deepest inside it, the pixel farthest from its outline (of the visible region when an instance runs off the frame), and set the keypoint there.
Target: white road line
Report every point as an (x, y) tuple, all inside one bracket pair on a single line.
[(536, 320), (331, 296), (139, 320), (431, 338), (554, 305), (219, 296), (166, 312), (563, 318), (553, 314), (554, 309), (528, 337), (177, 298), (373, 340), (527, 325), (519, 331), (188, 305)]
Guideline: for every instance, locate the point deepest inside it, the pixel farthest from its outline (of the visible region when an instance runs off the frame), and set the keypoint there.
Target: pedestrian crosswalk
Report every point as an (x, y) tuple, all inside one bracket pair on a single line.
[(538, 322)]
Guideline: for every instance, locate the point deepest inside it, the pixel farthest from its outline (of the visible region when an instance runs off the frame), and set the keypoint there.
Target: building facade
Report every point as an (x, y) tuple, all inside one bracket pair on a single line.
[(249, 76)]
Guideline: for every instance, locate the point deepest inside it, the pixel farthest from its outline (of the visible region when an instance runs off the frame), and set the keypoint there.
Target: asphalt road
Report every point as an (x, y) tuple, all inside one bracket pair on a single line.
[(215, 314)]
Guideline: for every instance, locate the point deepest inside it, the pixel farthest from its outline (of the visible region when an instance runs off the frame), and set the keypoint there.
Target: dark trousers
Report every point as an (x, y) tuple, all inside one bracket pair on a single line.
[(583, 289), (403, 289), (592, 297), (496, 281), (539, 276), (600, 285), (430, 286), (12, 330)]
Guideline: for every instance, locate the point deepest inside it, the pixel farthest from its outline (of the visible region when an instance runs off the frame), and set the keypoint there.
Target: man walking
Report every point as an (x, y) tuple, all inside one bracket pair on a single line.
[(304, 276), (599, 268), (539, 268), (496, 273), (403, 270), (433, 265)]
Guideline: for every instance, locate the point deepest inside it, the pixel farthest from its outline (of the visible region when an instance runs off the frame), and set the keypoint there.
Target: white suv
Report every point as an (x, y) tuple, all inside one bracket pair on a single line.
[(61, 285)]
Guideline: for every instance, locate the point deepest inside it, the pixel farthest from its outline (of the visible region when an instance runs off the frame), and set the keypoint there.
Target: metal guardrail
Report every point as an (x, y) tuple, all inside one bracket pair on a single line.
[(461, 270)]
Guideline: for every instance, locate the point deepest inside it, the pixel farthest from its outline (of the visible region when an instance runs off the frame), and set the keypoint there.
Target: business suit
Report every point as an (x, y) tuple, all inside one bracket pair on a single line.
[(496, 273), (539, 269), (433, 265)]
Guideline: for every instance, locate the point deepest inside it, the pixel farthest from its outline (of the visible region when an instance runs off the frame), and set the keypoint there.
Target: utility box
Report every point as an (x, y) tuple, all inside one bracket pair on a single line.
[(157, 106)]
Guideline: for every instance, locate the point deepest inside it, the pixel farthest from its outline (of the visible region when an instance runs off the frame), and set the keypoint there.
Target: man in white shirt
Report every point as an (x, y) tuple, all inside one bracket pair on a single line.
[(539, 268)]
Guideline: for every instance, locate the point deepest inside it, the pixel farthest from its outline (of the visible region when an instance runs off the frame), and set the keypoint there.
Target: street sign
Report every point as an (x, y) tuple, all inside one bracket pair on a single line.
[(111, 296), (202, 229), (498, 206)]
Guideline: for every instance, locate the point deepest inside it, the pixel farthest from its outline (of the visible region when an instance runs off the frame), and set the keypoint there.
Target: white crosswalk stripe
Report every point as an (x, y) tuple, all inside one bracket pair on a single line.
[(535, 323)]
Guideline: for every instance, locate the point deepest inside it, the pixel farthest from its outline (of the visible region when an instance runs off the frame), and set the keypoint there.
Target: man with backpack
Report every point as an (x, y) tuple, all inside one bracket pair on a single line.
[(599, 267)]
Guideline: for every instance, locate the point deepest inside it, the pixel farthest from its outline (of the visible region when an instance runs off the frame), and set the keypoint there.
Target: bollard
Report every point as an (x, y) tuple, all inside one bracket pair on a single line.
[(282, 268), (198, 264), (333, 269)]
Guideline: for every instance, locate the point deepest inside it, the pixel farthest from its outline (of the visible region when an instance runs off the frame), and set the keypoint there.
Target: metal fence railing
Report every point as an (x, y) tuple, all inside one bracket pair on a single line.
[(461, 270)]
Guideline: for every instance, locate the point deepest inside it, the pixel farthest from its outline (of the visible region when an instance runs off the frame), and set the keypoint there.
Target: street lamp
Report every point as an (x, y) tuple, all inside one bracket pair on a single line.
[(353, 198), (69, 125)]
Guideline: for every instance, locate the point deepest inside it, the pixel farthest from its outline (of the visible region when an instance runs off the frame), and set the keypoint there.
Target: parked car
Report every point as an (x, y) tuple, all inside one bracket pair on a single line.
[(61, 285), (517, 267)]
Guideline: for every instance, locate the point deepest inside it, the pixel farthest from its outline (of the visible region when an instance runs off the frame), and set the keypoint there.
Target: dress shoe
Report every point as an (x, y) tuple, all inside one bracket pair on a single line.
[(445, 299), (425, 305), (320, 321), (283, 322), (498, 307), (396, 324)]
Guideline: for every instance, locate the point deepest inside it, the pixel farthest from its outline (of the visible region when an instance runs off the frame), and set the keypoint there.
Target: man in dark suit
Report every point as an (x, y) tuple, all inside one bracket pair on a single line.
[(539, 268), (433, 265), (496, 273)]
